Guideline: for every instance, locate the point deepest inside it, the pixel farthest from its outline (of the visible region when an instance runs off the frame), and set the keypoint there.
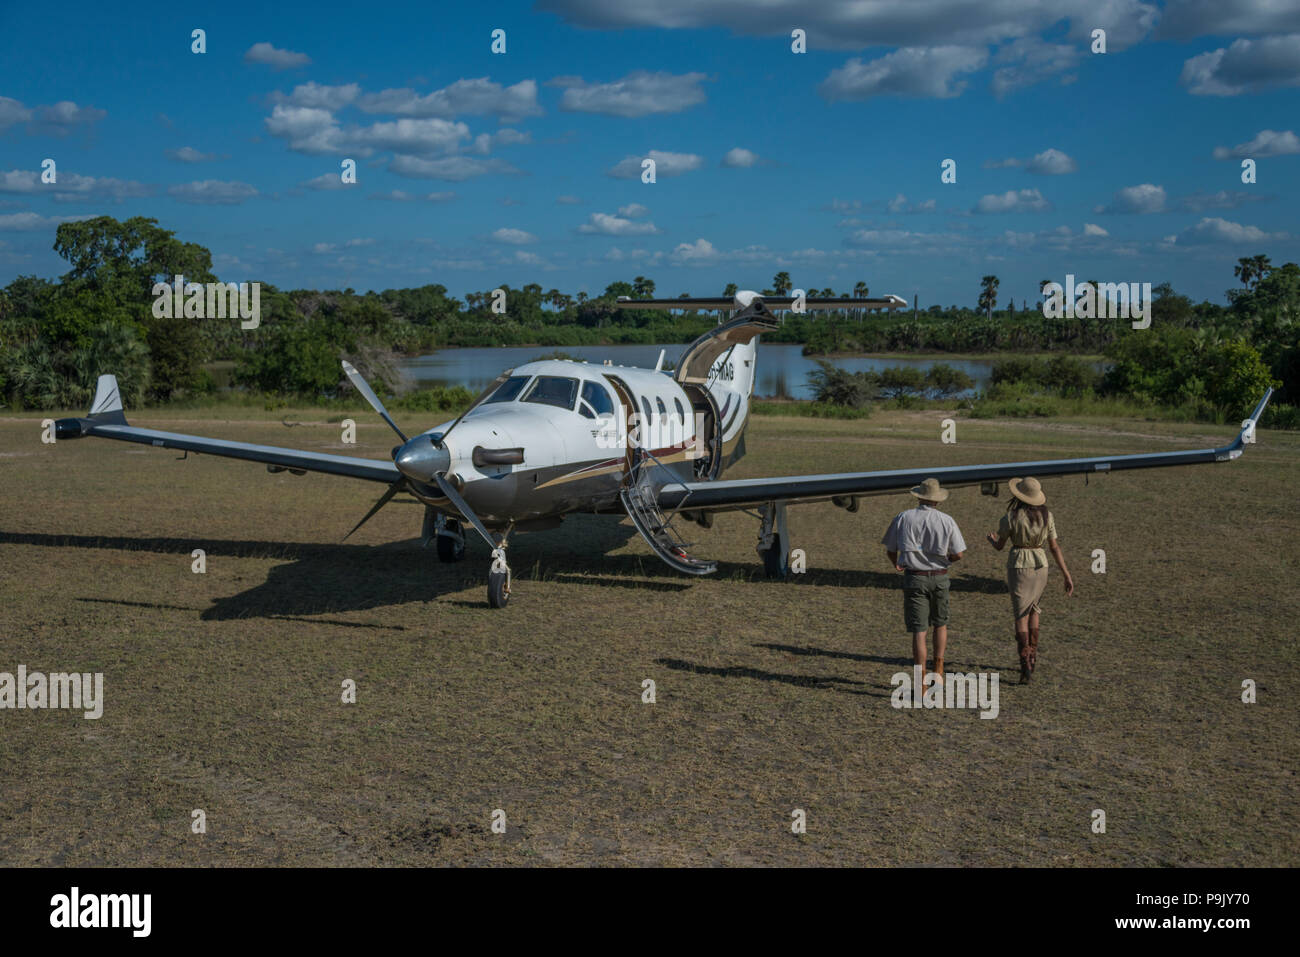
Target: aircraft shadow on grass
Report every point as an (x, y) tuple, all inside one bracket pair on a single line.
[(818, 682), (319, 578)]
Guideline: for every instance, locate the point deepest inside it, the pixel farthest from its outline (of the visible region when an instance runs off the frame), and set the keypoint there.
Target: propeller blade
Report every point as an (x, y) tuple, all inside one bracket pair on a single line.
[(449, 490), (492, 387), (384, 500), (362, 386)]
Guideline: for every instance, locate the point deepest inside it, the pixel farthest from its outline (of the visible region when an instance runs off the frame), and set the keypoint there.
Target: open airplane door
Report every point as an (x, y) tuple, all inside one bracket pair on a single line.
[(695, 372)]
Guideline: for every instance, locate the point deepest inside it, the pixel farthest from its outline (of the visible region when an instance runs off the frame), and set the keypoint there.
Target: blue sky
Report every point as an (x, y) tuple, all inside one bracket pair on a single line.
[(476, 169)]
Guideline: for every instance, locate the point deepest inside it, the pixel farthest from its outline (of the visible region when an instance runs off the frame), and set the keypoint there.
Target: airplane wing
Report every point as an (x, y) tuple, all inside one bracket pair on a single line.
[(772, 303), (107, 420), (728, 495)]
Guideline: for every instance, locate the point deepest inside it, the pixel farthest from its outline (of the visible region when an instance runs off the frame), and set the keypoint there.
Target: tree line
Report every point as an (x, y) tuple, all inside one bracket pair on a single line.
[(57, 336)]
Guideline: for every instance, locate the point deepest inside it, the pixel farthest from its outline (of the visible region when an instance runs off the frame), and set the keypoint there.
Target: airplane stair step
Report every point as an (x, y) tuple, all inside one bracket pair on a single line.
[(658, 532)]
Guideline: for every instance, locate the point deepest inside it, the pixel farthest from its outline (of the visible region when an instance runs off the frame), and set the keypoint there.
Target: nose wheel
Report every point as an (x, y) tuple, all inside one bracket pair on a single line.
[(499, 580)]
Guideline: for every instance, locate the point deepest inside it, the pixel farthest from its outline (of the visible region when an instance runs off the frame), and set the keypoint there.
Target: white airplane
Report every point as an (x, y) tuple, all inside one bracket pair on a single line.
[(554, 437)]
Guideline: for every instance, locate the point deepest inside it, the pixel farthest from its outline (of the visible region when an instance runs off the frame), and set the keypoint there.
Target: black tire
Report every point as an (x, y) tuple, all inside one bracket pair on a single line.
[(450, 550), (772, 565), (498, 597)]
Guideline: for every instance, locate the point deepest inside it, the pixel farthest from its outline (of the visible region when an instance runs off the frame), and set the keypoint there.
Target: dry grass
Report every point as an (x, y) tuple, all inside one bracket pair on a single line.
[(223, 690)]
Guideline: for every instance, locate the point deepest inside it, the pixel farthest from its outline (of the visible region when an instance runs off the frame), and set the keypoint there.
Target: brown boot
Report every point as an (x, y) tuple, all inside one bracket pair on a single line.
[(1026, 669), (1033, 649)]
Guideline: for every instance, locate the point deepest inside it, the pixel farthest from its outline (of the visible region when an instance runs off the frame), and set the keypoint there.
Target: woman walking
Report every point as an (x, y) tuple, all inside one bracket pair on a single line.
[(1028, 526)]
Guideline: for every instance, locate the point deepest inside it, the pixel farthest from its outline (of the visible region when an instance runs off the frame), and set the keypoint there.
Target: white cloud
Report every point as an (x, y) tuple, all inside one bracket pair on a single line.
[(188, 154), (59, 119), (1247, 66), (1031, 60), (420, 137), (484, 142), (1051, 162), (27, 222), (454, 169), (72, 187), (317, 96), (910, 71), (640, 93), (868, 23), (632, 210), (1265, 143), (700, 252), (608, 225), (666, 164), (1187, 19), (478, 96), (1092, 229), (567, 200), (1013, 201), (739, 158), (308, 129), (513, 237), (1223, 199), (328, 181), (401, 196), (899, 204), (212, 192), (272, 57), (1212, 229), (12, 112), (1145, 198)]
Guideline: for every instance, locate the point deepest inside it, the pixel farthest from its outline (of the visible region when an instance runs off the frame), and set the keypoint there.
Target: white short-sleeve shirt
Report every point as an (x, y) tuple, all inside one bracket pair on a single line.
[(924, 537)]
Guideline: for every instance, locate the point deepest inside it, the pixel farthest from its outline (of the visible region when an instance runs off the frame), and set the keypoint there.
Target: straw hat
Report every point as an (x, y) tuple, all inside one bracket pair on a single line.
[(929, 491), (1027, 490)]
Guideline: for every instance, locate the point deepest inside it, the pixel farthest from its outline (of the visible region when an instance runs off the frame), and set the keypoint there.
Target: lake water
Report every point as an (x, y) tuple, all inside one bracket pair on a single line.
[(782, 369)]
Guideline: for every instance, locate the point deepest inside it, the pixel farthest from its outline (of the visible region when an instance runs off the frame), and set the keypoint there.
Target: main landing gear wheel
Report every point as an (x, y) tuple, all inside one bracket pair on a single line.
[(451, 549), (498, 589), (773, 566)]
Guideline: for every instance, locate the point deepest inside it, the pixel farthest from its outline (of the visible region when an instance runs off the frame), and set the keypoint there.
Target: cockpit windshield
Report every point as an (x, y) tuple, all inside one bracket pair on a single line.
[(509, 390), (559, 391)]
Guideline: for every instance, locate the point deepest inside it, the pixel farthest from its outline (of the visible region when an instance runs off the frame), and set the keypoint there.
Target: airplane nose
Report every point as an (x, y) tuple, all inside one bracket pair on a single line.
[(421, 460)]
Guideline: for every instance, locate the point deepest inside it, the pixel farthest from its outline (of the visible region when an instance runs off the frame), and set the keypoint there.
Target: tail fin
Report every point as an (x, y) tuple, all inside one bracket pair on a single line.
[(107, 405)]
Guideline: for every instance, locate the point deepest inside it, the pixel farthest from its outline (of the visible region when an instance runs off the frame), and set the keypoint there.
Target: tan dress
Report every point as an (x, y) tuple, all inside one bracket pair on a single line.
[(1027, 563)]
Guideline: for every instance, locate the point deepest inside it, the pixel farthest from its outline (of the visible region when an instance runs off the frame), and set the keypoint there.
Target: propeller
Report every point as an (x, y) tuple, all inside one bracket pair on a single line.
[(453, 496), (384, 499), (362, 386), (412, 456)]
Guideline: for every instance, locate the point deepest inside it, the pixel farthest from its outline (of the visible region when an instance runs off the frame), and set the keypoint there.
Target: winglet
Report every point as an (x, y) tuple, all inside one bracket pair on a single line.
[(1247, 434), (107, 406)]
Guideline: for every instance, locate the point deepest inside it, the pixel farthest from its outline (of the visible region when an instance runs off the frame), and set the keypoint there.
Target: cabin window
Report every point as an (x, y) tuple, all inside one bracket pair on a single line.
[(509, 390), (559, 391), (663, 409), (681, 413), (645, 405), (596, 398)]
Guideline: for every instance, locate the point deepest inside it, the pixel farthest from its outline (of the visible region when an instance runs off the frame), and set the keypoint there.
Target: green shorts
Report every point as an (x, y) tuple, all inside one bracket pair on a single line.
[(925, 601)]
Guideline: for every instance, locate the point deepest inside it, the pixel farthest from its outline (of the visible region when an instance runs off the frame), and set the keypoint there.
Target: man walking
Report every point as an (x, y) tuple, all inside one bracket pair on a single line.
[(921, 543)]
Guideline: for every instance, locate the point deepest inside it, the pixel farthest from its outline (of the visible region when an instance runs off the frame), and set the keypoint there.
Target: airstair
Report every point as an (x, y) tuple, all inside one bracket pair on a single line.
[(641, 504)]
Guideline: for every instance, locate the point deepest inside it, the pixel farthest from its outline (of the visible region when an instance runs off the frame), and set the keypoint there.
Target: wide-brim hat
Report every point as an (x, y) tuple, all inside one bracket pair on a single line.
[(930, 491), (1027, 490)]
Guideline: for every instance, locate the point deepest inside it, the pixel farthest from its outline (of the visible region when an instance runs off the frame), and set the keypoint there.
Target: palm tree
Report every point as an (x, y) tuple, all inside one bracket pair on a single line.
[(860, 291), (643, 288), (730, 291), (1245, 270), (1262, 268), (781, 284), (988, 295)]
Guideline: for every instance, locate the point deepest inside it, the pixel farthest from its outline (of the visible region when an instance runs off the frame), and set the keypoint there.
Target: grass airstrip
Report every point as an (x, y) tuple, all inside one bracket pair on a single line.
[(223, 690)]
